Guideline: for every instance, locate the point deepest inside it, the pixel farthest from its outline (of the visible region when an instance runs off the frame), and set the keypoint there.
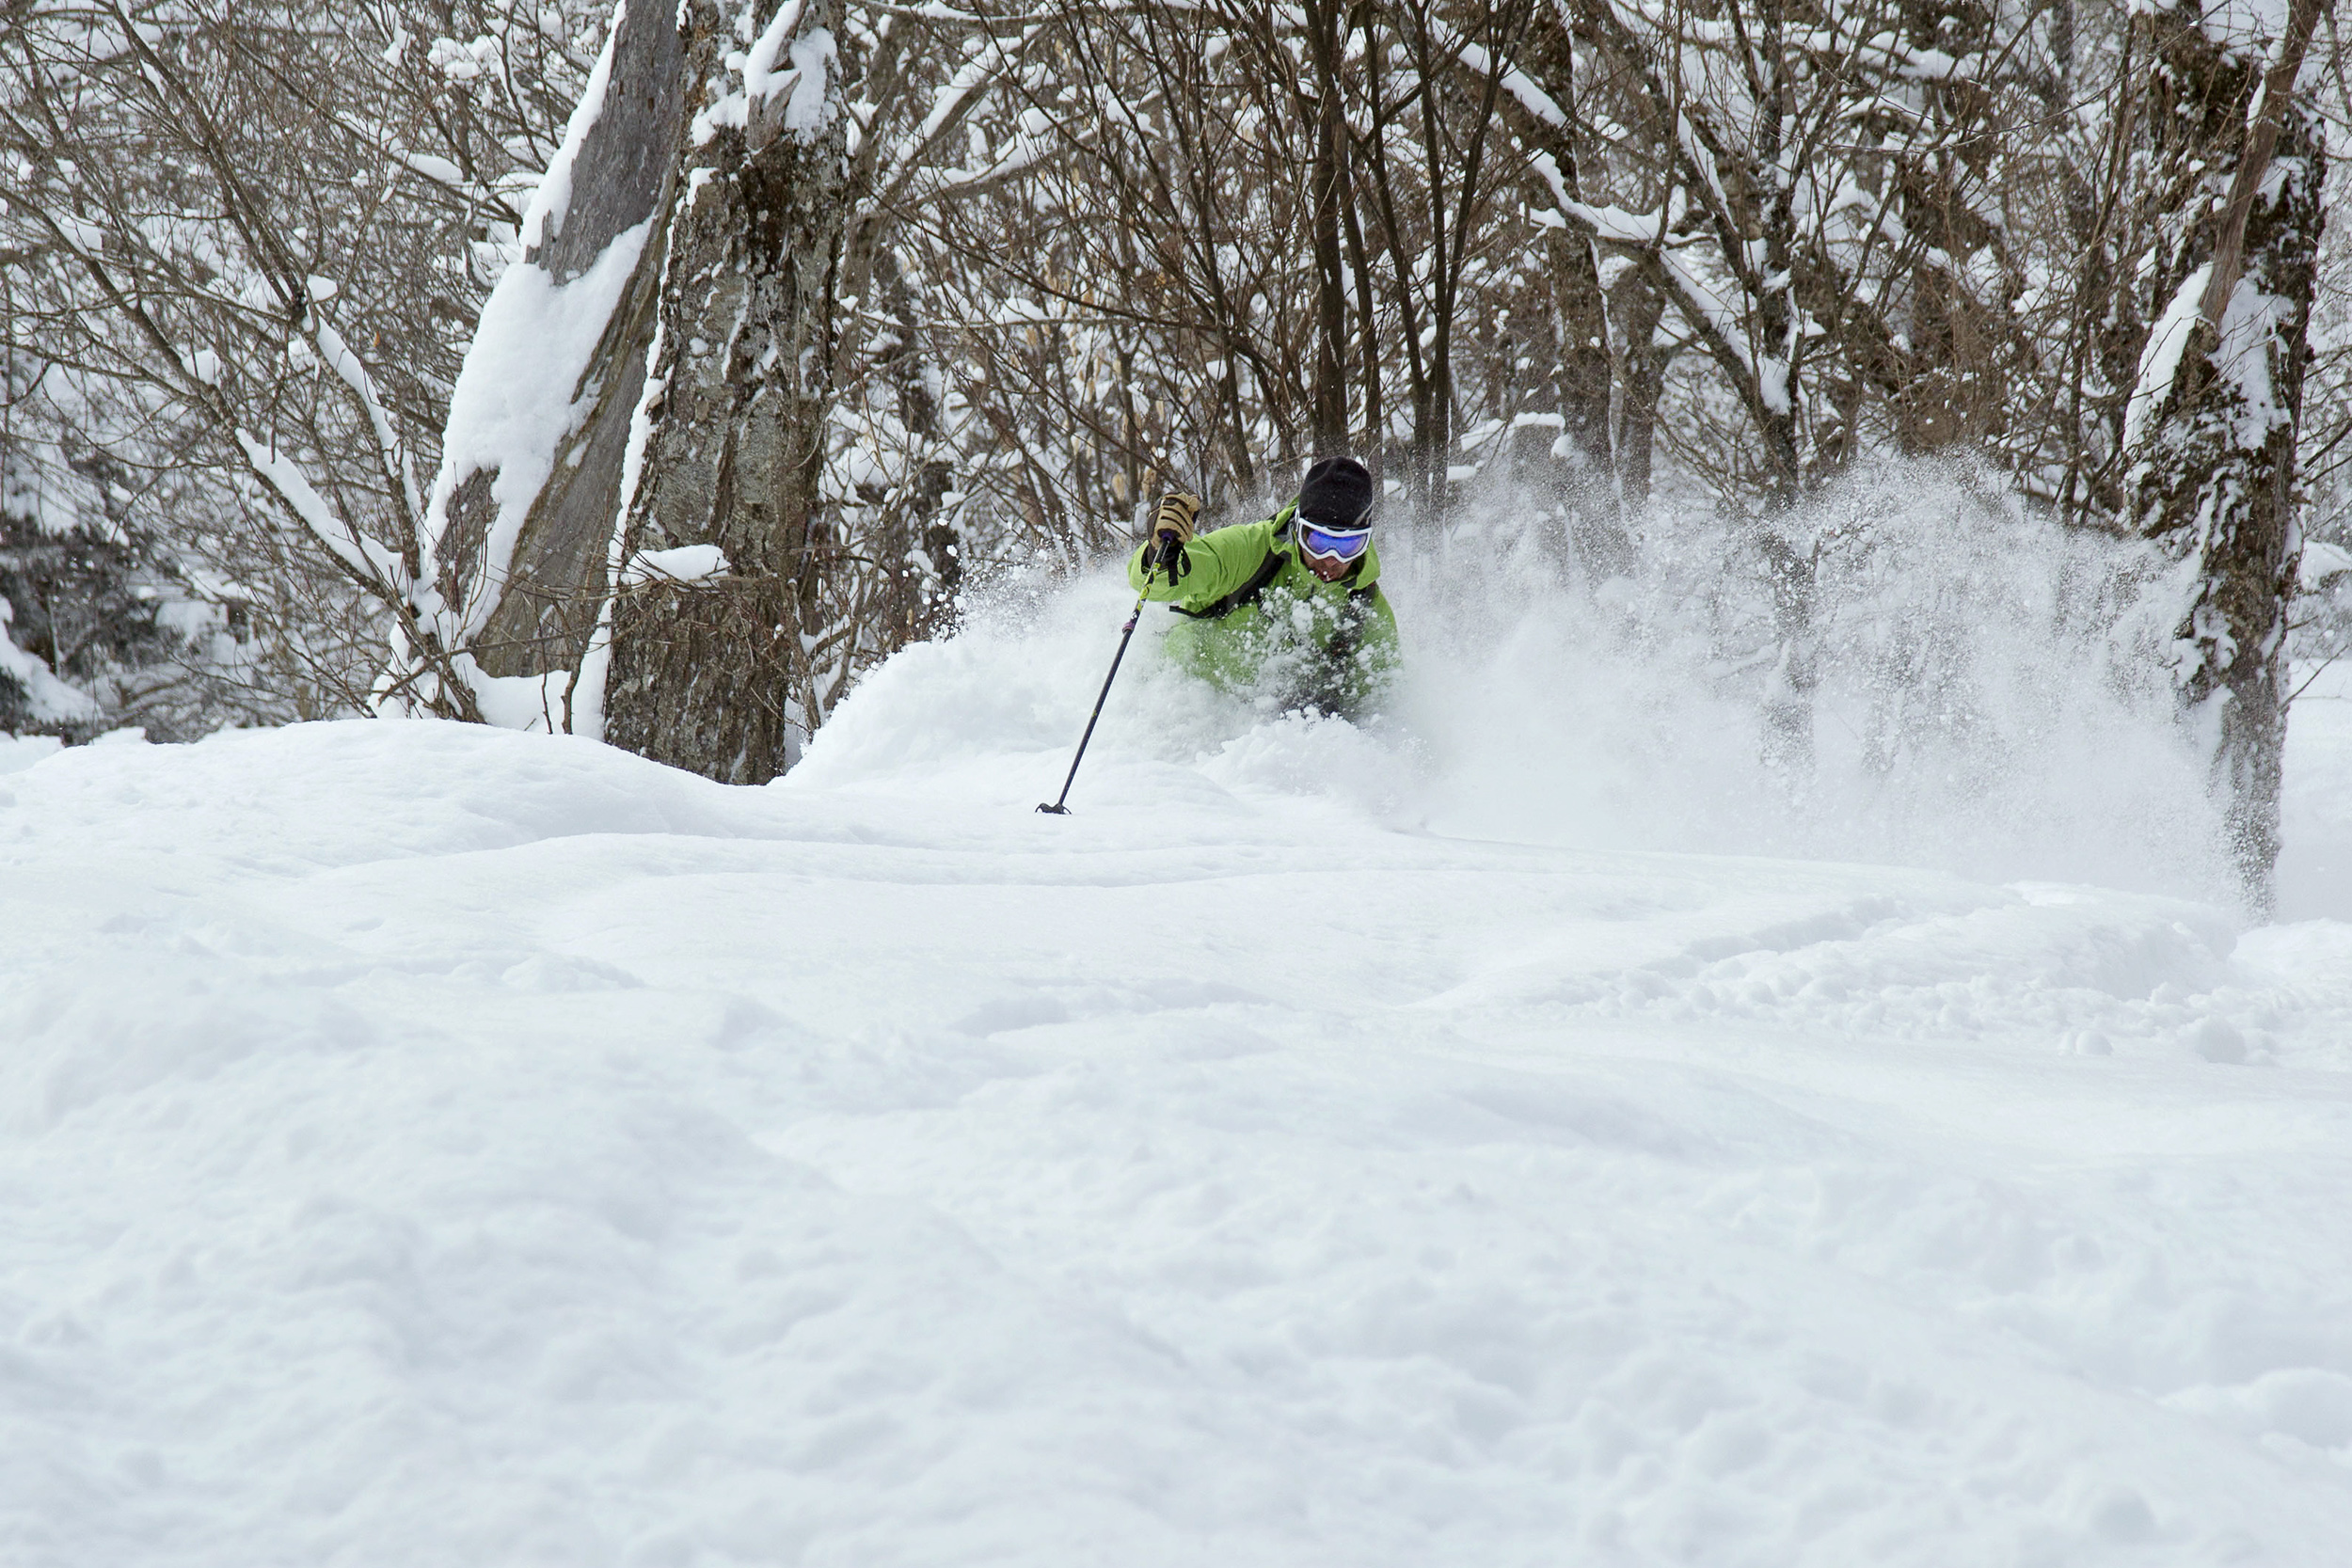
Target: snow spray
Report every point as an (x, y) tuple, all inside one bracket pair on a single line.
[(1990, 696)]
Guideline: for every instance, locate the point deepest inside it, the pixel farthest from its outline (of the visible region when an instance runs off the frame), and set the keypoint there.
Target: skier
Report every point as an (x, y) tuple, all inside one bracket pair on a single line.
[(1288, 609)]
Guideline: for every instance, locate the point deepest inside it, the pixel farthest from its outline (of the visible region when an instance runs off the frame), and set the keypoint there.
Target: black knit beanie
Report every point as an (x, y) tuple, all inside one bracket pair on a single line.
[(1336, 493)]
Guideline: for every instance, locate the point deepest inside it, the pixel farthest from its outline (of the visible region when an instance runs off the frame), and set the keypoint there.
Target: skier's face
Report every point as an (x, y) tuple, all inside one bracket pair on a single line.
[(1329, 549), (1326, 567)]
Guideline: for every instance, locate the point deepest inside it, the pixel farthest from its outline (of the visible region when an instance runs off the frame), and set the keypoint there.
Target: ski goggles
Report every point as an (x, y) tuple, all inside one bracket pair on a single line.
[(1332, 544)]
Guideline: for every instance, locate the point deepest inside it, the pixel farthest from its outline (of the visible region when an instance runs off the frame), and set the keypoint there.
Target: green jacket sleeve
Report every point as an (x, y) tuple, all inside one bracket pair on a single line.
[(1213, 565), (1378, 656), (1382, 652)]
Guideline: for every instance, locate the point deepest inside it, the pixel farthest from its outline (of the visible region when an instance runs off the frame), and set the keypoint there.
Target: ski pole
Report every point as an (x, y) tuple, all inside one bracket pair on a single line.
[(1166, 554)]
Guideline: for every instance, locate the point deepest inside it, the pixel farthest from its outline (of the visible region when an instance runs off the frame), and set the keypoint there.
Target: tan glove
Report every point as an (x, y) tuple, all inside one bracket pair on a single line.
[(1175, 517)]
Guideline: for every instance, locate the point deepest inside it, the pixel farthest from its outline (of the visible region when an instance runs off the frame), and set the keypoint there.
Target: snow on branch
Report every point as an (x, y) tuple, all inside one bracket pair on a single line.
[(801, 84), (361, 556), (684, 564), (392, 450), (49, 700), (989, 64), (1534, 100), (1644, 234), (2161, 357)]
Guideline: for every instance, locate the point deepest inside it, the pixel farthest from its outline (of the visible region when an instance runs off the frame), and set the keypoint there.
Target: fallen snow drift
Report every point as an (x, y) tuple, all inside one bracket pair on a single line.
[(422, 1143)]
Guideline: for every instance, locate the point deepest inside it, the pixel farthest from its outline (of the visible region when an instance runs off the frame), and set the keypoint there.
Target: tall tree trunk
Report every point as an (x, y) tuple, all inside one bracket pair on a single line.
[(1582, 380), (522, 576), (918, 598), (714, 675), (1778, 341), (1639, 305), (2214, 417), (1790, 565), (1948, 385), (1376, 439), (1581, 326), (1328, 418)]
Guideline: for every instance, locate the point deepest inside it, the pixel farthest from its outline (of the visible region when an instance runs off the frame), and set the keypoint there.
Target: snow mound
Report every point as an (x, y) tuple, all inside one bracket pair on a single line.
[(338, 794), (425, 1144)]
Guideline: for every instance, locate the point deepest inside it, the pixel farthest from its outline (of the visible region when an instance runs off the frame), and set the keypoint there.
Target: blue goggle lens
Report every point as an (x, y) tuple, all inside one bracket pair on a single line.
[(1335, 544)]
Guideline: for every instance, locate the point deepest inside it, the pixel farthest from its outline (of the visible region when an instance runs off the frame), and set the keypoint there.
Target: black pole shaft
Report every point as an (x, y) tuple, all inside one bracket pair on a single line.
[(1057, 808)]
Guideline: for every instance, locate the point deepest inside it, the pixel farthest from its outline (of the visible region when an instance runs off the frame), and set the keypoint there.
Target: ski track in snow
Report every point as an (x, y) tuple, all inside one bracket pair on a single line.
[(422, 1143)]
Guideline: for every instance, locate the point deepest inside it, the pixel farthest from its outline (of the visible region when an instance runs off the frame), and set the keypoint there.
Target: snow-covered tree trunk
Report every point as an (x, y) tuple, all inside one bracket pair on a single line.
[(520, 518), (2214, 414), (917, 559), (1327, 414), (616, 180), (709, 664), (1542, 113), (1639, 306)]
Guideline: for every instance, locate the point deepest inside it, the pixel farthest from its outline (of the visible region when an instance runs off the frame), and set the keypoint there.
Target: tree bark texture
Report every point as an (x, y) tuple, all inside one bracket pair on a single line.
[(1945, 383), (1778, 341), (622, 175), (917, 604), (1587, 474), (1639, 306), (1328, 435), (2212, 470), (542, 605), (712, 675)]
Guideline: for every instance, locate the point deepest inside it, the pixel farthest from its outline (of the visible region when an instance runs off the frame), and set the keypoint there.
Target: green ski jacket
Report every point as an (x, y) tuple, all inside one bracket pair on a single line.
[(1254, 620)]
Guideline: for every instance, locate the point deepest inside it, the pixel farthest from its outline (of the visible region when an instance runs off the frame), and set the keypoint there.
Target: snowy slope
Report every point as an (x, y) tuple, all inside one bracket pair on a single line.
[(427, 1145)]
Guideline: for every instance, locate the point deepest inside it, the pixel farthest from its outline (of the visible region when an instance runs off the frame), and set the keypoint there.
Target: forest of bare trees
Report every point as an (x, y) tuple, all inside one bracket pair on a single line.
[(654, 372)]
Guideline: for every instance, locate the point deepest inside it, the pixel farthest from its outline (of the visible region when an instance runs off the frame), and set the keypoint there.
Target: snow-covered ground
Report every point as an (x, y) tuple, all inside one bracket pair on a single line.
[(427, 1145)]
